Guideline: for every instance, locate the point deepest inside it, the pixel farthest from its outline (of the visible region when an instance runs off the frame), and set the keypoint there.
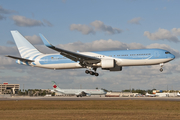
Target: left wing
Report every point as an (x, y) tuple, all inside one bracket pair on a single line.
[(84, 59)]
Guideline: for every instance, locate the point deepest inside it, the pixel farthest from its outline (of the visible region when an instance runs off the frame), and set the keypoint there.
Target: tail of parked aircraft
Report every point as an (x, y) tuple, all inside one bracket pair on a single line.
[(54, 85), (26, 49)]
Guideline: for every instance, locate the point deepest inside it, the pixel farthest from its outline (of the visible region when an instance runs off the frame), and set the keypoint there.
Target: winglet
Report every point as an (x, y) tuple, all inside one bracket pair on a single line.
[(45, 41)]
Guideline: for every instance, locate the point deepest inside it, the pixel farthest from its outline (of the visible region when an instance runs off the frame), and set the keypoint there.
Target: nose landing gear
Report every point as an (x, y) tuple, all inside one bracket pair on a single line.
[(161, 65)]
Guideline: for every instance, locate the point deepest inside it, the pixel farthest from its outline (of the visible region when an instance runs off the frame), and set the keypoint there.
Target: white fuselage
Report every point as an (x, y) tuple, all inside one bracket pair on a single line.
[(130, 58), (79, 91)]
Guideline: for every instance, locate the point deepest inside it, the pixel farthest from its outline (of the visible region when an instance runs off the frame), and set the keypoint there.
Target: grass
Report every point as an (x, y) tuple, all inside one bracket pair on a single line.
[(91, 110)]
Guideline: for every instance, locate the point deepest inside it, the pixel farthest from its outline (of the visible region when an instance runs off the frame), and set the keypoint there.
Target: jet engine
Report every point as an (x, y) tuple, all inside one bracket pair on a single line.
[(110, 64), (107, 63), (87, 94), (83, 93)]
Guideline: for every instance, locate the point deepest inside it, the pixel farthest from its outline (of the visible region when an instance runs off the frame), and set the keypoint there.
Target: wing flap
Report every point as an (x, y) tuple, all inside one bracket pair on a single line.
[(22, 59)]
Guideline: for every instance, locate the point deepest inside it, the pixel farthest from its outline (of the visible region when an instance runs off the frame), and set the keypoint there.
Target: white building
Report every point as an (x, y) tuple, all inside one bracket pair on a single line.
[(120, 94), (6, 88), (167, 94)]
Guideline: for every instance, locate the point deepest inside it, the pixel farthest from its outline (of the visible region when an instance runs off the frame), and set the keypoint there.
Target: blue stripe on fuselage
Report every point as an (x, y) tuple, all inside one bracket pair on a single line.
[(138, 54), (135, 54)]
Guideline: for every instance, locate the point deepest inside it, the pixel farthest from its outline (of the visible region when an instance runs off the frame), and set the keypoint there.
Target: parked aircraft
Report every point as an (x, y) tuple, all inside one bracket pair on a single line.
[(151, 95), (107, 60), (78, 92), (178, 94)]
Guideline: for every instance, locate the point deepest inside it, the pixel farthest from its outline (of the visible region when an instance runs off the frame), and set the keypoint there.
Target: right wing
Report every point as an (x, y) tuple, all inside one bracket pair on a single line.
[(84, 59), (21, 59)]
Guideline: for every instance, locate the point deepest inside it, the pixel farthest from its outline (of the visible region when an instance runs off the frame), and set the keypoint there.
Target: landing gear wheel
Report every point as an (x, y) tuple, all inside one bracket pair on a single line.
[(87, 71), (96, 74), (161, 69), (91, 73)]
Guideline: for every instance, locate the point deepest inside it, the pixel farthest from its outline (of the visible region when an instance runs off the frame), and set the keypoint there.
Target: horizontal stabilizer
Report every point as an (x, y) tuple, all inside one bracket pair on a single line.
[(21, 59)]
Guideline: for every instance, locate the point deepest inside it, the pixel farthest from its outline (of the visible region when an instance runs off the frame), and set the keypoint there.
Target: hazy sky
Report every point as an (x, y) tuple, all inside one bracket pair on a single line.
[(92, 25)]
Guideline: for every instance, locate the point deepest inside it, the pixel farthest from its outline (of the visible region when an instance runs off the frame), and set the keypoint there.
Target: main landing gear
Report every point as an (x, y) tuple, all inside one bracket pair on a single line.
[(91, 72), (161, 65)]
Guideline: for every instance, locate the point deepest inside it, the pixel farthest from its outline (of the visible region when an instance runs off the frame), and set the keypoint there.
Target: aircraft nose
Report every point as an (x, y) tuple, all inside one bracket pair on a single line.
[(173, 56)]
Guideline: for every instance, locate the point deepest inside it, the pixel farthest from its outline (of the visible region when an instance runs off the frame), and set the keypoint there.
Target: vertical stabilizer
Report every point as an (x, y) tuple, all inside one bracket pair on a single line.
[(54, 85), (26, 49)]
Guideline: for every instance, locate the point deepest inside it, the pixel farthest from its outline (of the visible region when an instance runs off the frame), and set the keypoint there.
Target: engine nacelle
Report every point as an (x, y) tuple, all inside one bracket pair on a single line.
[(87, 94), (107, 63), (83, 93), (116, 68)]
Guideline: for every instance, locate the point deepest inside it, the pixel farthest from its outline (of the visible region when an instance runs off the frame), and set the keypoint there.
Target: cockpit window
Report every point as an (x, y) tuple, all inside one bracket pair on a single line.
[(167, 53)]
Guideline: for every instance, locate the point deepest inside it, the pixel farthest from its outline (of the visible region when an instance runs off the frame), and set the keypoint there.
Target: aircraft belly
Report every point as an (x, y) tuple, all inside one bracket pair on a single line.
[(130, 62), (61, 66)]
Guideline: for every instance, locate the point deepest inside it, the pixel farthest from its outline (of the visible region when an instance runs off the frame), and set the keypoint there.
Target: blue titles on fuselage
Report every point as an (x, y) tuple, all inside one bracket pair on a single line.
[(54, 59)]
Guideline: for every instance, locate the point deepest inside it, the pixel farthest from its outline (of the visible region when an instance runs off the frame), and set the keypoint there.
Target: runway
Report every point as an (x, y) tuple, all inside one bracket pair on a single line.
[(91, 98)]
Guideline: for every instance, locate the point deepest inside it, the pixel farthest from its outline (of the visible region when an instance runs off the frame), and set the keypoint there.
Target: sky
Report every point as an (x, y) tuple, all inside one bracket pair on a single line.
[(92, 25)]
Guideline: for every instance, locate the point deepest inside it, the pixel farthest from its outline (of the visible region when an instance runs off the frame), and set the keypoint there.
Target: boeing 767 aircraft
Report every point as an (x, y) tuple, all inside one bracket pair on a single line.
[(78, 92), (107, 60)]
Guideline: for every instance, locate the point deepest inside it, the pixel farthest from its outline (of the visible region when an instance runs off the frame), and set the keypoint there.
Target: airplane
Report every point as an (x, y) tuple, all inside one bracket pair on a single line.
[(106, 60), (151, 95), (77, 92)]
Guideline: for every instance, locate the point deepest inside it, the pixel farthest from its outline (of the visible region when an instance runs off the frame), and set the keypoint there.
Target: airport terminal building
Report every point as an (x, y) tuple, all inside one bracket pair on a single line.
[(6, 88)]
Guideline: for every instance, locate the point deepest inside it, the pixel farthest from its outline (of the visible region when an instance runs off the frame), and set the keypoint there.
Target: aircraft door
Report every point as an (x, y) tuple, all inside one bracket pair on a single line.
[(156, 54)]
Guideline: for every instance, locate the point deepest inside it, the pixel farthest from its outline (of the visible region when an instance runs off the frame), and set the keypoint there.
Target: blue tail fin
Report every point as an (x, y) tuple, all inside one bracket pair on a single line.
[(26, 49)]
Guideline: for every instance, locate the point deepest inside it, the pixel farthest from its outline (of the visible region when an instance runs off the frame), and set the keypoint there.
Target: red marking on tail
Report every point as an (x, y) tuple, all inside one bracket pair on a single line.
[(54, 86)]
